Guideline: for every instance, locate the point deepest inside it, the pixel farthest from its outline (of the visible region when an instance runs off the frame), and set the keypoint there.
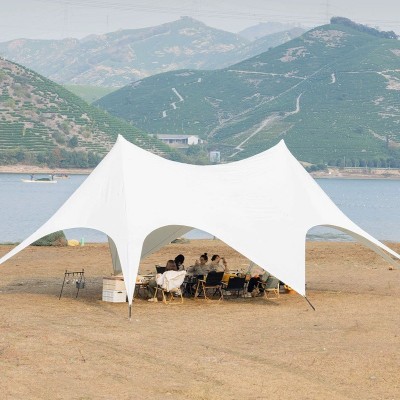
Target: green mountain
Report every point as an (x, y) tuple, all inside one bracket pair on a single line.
[(118, 58), (256, 47), (43, 123), (333, 94)]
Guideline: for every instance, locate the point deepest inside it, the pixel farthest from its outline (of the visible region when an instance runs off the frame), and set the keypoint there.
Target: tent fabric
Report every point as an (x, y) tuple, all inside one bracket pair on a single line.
[(117, 268), (262, 206)]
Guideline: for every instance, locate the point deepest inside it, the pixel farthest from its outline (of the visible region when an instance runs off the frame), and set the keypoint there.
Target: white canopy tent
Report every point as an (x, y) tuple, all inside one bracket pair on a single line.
[(262, 206)]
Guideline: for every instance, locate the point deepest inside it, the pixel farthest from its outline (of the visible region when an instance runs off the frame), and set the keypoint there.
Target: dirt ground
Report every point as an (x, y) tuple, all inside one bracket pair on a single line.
[(246, 348)]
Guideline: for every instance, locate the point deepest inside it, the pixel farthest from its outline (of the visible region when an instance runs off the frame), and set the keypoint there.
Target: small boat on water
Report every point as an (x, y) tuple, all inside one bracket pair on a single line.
[(40, 180)]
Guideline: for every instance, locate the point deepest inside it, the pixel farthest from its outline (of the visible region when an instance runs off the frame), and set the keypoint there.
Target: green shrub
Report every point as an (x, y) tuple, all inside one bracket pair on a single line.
[(64, 126), (10, 103), (73, 142), (54, 239), (59, 137)]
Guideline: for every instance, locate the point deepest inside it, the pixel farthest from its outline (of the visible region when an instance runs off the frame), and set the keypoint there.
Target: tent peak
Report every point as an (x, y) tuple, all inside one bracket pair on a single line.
[(120, 138), (282, 143)]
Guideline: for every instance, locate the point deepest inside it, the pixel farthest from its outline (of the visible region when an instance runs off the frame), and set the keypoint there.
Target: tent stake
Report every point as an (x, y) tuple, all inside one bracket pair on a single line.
[(308, 301), (130, 311)]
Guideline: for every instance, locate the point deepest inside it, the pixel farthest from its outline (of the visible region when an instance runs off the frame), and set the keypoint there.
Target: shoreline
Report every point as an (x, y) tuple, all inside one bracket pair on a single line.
[(35, 169), (357, 173), (331, 173)]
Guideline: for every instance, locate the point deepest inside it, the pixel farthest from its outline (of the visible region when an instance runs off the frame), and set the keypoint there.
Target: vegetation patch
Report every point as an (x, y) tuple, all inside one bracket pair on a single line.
[(54, 239)]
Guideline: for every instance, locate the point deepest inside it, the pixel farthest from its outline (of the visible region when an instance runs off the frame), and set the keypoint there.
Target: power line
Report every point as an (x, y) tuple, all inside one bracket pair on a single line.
[(206, 14), (266, 14)]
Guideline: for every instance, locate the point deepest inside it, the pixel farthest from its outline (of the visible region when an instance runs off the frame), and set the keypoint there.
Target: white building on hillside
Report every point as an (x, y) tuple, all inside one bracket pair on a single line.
[(179, 141)]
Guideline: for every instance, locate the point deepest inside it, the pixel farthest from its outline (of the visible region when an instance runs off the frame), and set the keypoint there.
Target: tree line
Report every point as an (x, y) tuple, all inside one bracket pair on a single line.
[(364, 28), (53, 158)]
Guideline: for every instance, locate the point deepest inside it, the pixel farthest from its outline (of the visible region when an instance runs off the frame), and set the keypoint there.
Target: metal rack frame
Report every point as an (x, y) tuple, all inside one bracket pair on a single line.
[(79, 282)]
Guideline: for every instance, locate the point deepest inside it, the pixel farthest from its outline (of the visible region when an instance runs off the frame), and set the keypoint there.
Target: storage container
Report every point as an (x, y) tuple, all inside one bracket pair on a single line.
[(114, 296), (113, 283)]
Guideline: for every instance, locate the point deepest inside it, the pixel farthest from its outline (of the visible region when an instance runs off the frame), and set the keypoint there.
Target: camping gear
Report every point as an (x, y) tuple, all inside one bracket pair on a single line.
[(74, 276), (169, 284), (212, 281), (235, 284), (265, 207), (270, 287), (114, 289)]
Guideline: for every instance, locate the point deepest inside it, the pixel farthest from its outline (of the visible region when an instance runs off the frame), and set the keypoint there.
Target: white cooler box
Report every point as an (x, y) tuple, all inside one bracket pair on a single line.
[(113, 283), (114, 289), (114, 296)]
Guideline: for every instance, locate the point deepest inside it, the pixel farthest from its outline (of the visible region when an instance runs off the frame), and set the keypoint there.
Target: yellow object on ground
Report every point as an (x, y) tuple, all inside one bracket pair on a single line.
[(288, 289), (73, 242), (226, 277)]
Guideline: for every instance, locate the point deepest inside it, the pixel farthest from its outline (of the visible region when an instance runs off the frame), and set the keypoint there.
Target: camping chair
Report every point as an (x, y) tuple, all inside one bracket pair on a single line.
[(160, 269), (212, 281), (271, 285), (169, 283), (190, 284), (234, 284)]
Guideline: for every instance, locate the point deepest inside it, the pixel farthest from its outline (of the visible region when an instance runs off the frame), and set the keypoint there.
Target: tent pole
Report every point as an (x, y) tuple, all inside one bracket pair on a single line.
[(308, 301), (130, 311)]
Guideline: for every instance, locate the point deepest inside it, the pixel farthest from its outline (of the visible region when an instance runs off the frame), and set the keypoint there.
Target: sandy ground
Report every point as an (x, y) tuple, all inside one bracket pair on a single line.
[(349, 348)]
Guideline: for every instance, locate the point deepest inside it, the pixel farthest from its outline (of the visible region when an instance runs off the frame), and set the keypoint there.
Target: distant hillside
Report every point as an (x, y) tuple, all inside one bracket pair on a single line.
[(118, 58), (257, 47), (89, 93), (265, 29), (43, 123), (333, 94)]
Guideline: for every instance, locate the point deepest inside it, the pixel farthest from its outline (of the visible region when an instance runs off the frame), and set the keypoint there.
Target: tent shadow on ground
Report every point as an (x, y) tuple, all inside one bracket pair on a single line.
[(51, 287)]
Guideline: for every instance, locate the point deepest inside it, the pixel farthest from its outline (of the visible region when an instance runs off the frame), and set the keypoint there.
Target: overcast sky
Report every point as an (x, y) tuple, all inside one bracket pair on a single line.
[(56, 19)]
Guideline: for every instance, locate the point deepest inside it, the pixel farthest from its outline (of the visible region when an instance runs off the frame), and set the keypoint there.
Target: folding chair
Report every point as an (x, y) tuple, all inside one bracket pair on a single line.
[(160, 269), (212, 281), (169, 283), (234, 284), (271, 285), (190, 284)]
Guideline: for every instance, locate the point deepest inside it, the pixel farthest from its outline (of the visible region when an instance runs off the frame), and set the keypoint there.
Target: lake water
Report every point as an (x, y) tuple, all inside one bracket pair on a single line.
[(372, 204)]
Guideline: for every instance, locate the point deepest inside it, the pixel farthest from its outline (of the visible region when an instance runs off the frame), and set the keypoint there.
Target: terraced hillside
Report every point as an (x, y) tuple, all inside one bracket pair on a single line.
[(41, 122), (333, 94), (115, 59)]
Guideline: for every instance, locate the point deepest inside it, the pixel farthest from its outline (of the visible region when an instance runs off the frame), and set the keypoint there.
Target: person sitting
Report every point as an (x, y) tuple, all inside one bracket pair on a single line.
[(216, 267), (151, 287), (258, 275), (179, 260), (199, 267)]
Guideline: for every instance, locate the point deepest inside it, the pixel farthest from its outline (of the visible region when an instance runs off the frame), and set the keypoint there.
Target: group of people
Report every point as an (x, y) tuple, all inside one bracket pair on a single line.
[(202, 267)]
